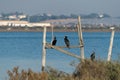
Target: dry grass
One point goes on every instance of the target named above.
(88, 70)
(97, 70)
(26, 75)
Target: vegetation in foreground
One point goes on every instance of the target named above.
(87, 70)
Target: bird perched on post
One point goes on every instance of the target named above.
(92, 56)
(67, 42)
(54, 41)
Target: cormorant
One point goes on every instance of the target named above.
(92, 56)
(67, 42)
(54, 41)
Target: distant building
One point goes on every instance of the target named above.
(49, 15)
(12, 17)
(22, 16)
(101, 16)
(15, 23)
(39, 24)
(16, 17)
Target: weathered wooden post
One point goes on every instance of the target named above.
(80, 38)
(44, 50)
(111, 43)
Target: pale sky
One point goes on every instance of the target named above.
(57, 7)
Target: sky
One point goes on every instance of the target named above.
(58, 7)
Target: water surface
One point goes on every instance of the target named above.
(24, 49)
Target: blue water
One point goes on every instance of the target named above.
(24, 49)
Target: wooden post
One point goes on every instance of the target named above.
(80, 38)
(44, 50)
(52, 33)
(63, 51)
(111, 43)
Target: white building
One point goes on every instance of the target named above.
(39, 24)
(15, 23)
(12, 17)
(22, 16)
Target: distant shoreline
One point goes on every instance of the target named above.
(39, 29)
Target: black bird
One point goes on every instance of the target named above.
(54, 41)
(92, 56)
(67, 42)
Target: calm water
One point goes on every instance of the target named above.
(24, 49)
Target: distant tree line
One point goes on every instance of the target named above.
(37, 18)
(44, 16)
